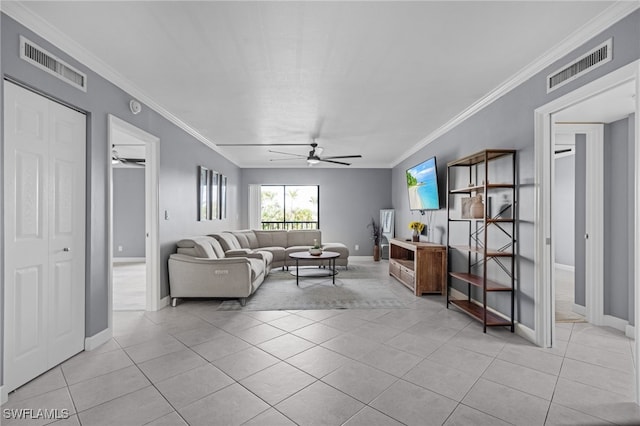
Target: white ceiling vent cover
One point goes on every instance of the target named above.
(42, 59)
(585, 63)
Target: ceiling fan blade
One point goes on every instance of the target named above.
(288, 153)
(282, 159)
(262, 144)
(343, 156)
(336, 162)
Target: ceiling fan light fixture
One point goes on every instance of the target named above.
(313, 160)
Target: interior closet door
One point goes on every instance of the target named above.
(45, 208)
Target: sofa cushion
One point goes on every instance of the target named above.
(227, 240)
(271, 238)
(246, 238)
(242, 239)
(338, 248)
(303, 237)
(198, 247)
(277, 254)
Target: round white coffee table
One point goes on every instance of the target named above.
(330, 255)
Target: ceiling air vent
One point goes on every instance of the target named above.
(587, 62)
(39, 57)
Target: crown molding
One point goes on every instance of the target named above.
(604, 20)
(44, 29)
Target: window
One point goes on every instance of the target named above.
(289, 207)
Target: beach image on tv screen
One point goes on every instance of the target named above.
(422, 183)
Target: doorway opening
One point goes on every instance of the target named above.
(572, 109)
(133, 217)
(128, 194)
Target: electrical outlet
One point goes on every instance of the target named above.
(119, 248)
(357, 247)
(166, 215)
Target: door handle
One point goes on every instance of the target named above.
(67, 249)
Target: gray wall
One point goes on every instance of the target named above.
(509, 123)
(180, 154)
(563, 210)
(128, 212)
(580, 296)
(349, 198)
(617, 235)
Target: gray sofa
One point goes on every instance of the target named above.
(233, 264)
(201, 268)
(279, 244)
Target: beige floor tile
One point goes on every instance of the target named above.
(414, 405)
(445, 380)
(467, 416)
(259, 334)
(86, 365)
(286, 346)
(165, 366)
(220, 347)
(563, 416)
(522, 378)
(461, 359)
(271, 417)
(370, 417)
(291, 322)
(507, 404)
(351, 346)
(318, 361)
(600, 377)
(190, 386)
(154, 348)
(319, 404)
(46, 382)
(278, 382)
(390, 360)
(171, 419)
(245, 363)
(317, 333)
(359, 380)
(109, 386)
(137, 408)
(233, 405)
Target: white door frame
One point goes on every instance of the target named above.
(152, 246)
(543, 145)
(594, 220)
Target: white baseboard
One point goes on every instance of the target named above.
(129, 259)
(630, 331)
(4, 395)
(91, 343)
(580, 310)
(165, 301)
(617, 323)
(568, 268)
(526, 333)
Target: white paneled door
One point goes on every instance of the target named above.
(45, 208)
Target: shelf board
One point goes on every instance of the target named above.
(480, 188)
(489, 253)
(492, 220)
(407, 263)
(477, 312)
(477, 281)
(479, 157)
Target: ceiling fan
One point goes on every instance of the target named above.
(116, 158)
(314, 156)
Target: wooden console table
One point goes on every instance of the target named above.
(422, 267)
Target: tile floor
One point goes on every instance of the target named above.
(565, 289)
(425, 365)
(129, 286)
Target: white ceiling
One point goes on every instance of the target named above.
(606, 107)
(374, 78)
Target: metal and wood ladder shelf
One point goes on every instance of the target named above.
(461, 210)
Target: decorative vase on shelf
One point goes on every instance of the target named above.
(316, 250)
(376, 253)
(416, 236)
(477, 207)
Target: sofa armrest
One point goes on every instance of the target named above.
(200, 277)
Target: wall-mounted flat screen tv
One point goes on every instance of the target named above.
(422, 185)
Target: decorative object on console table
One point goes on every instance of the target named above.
(417, 228)
(422, 267)
(376, 235)
(482, 226)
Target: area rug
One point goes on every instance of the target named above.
(361, 286)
